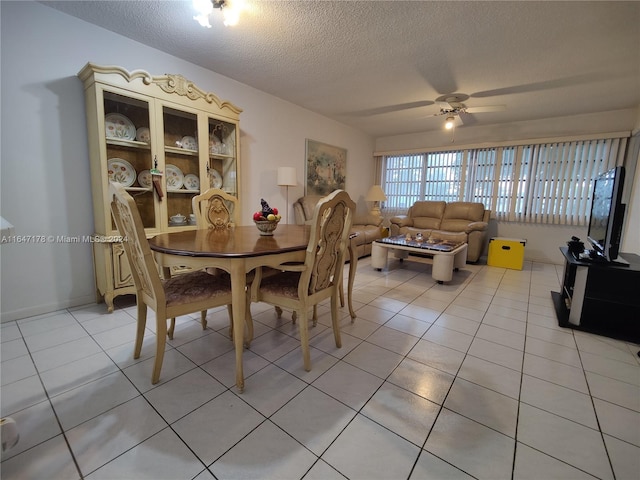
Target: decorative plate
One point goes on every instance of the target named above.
(119, 126)
(191, 182)
(214, 144)
(189, 143)
(143, 135)
(215, 178)
(175, 177)
(121, 171)
(144, 179)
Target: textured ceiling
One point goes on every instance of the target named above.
(380, 65)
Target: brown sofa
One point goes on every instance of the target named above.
(367, 226)
(441, 219)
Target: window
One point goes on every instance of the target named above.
(538, 183)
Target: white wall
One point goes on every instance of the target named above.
(45, 182)
(543, 241)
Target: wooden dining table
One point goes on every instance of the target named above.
(238, 251)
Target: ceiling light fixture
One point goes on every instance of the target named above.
(230, 11)
(450, 122)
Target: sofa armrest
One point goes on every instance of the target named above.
(476, 227)
(402, 221)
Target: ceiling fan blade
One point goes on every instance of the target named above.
(465, 119)
(488, 108)
(391, 108)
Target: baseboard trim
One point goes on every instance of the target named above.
(44, 309)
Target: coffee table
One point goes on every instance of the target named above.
(447, 256)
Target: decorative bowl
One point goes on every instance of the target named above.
(266, 227)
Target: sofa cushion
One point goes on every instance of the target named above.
(468, 211)
(427, 214)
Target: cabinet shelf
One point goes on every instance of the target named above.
(128, 143)
(181, 151)
(138, 189)
(184, 191)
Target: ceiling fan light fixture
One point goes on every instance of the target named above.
(230, 11)
(449, 123)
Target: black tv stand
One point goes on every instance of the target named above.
(600, 297)
(594, 257)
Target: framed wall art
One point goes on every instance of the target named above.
(326, 168)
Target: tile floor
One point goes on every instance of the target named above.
(473, 379)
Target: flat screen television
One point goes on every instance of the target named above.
(607, 215)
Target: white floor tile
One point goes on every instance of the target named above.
(468, 444)
(491, 375)
(21, 394)
(531, 464)
(428, 384)
(373, 359)
(348, 384)
(92, 399)
(614, 391)
(448, 338)
(161, 456)
(430, 467)
(562, 401)
(321, 470)
(625, 457)
(404, 413)
(496, 353)
(103, 438)
(555, 372)
(565, 440)
(607, 367)
(423, 380)
(485, 406)
(437, 356)
(50, 459)
(35, 425)
(314, 419)
(215, 427)
(392, 339)
(270, 389)
(267, 452)
(409, 325)
(618, 422)
(181, 395)
(367, 450)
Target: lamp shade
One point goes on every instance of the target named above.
(375, 194)
(287, 176)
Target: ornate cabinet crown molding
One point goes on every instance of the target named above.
(169, 83)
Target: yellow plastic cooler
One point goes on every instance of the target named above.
(506, 252)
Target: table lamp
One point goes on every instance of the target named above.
(375, 195)
(287, 178)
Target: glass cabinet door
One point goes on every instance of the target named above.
(222, 166)
(128, 147)
(181, 164)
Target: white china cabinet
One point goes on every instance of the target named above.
(166, 141)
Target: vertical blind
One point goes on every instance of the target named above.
(538, 183)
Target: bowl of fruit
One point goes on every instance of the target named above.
(266, 219)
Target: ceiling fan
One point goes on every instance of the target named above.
(451, 105)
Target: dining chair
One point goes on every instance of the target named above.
(180, 295)
(302, 286)
(215, 208)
